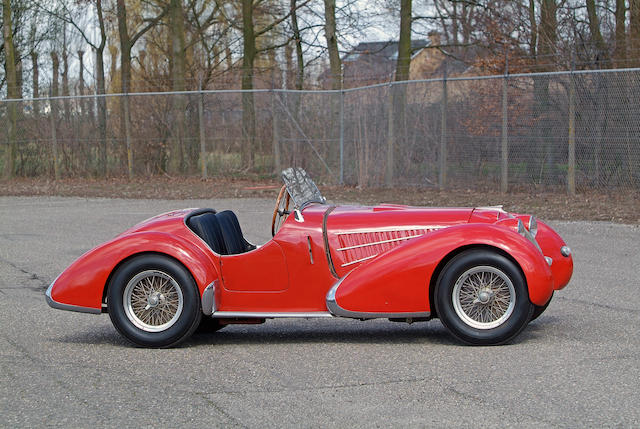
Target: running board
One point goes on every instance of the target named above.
(269, 315)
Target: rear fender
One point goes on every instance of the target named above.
(84, 282)
(398, 281)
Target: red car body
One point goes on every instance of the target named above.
(344, 261)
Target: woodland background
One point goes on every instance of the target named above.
(76, 70)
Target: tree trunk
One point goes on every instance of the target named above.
(634, 32)
(65, 74)
(125, 81)
(125, 47)
(454, 21)
(12, 89)
(102, 107)
(35, 82)
(398, 93)
(248, 107)
(602, 57)
(82, 101)
(404, 43)
(298, 42)
(55, 64)
(533, 39)
(178, 155)
(546, 60)
(548, 35)
(100, 88)
(332, 43)
(620, 53)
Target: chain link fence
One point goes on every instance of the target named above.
(562, 131)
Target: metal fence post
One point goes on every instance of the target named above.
(504, 182)
(342, 136)
(571, 170)
(54, 138)
(442, 176)
(277, 167)
(388, 180)
(127, 135)
(203, 153)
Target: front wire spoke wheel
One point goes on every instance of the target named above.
(153, 301)
(483, 297)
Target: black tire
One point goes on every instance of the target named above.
(467, 317)
(172, 311)
(539, 309)
(209, 325)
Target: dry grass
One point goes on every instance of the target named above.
(615, 206)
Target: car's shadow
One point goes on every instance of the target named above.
(276, 333)
(389, 333)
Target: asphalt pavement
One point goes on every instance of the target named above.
(578, 365)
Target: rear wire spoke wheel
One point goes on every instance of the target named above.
(481, 297)
(153, 301)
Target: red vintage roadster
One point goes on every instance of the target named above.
(483, 272)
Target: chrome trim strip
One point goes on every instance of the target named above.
(373, 243)
(338, 311)
(526, 234)
(359, 260)
(209, 299)
(390, 229)
(269, 315)
(325, 239)
(499, 207)
(533, 226)
(68, 307)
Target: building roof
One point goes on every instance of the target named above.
(381, 51)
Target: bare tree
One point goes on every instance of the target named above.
(127, 41)
(12, 88)
(404, 42)
(71, 15)
(177, 156)
(249, 53)
(620, 53)
(210, 33)
(602, 54)
(533, 38)
(335, 64)
(297, 39)
(398, 96)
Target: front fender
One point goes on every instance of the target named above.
(398, 281)
(80, 287)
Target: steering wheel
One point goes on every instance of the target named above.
(281, 211)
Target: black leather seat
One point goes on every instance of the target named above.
(234, 241)
(207, 227)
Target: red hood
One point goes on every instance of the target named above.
(384, 216)
(357, 234)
